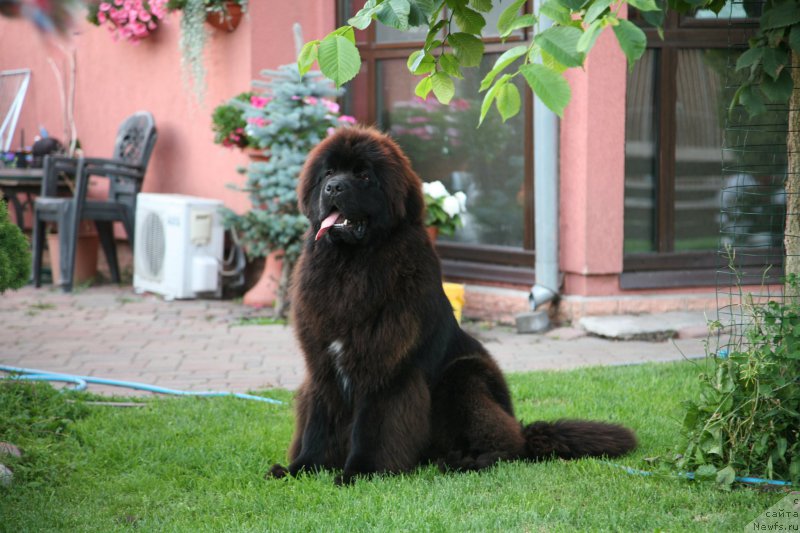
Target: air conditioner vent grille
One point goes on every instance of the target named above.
(153, 246)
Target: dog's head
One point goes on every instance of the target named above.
(358, 186)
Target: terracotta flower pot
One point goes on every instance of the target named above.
(85, 258)
(264, 292)
(226, 20)
(433, 232)
(256, 154)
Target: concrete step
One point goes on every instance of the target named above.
(652, 327)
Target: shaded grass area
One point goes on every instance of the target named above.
(197, 464)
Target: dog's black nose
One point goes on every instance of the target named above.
(336, 185)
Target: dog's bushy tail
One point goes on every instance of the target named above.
(571, 439)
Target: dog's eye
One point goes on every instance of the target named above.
(329, 173)
(363, 175)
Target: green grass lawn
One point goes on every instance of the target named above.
(196, 464)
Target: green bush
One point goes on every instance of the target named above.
(228, 123)
(15, 255)
(746, 421)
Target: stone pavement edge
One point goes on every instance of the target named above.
(113, 333)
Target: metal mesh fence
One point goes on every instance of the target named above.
(754, 201)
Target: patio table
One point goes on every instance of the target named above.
(27, 181)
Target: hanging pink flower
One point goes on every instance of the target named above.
(348, 119)
(258, 121)
(259, 101)
(331, 106)
(131, 20)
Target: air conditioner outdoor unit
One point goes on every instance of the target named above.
(178, 246)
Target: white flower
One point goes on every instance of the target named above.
(451, 206)
(462, 200)
(434, 189)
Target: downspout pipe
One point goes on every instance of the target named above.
(545, 194)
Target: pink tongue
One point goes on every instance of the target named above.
(326, 224)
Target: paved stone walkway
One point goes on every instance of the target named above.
(111, 332)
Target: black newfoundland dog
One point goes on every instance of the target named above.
(393, 381)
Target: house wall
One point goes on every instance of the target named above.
(115, 79)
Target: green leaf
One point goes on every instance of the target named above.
(338, 59)
(773, 61)
(551, 62)
(426, 6)
(308, 54)
(346, 32)
(726, 476)
(469, 20)
(508, 16)
(394, 13)
(363, 18)
(561, 42)
(481, 5)
(779, 90)
(421, 62)
(415, 59)
(706, 472)
(467, 47)
(794, 39)
(550, 86)
(587, 40)
(595, 10)
(644, 5)
(420, 12)
(523, 21)
(508, 57)
(450, 65)
(574, 5)
(424, 87)
(432, 34)
(443, 87)
(752, 100)
(553, 10)
(656, 18)
(780, 16)
(631, 39)
(491, 95)
(508, 101)
(360, 21)
(749, 58)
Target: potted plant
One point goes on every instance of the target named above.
(228, 123)
(442, 210)
(132, 20)
(287, 117)
(195, 13)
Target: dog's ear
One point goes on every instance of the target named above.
(309, 177)
(415, 202)
(406, 186)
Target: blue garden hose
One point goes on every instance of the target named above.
(82, 381)
(690, 475)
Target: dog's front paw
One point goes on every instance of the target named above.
(345, 479)
(276, 472)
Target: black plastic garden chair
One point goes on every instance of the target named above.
(125, 171)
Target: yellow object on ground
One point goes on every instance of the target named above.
(455, 293)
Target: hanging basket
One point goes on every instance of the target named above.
(227, 19)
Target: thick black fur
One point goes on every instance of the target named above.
(393, 381)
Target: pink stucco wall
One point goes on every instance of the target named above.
(115, 79)
(592, 165)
